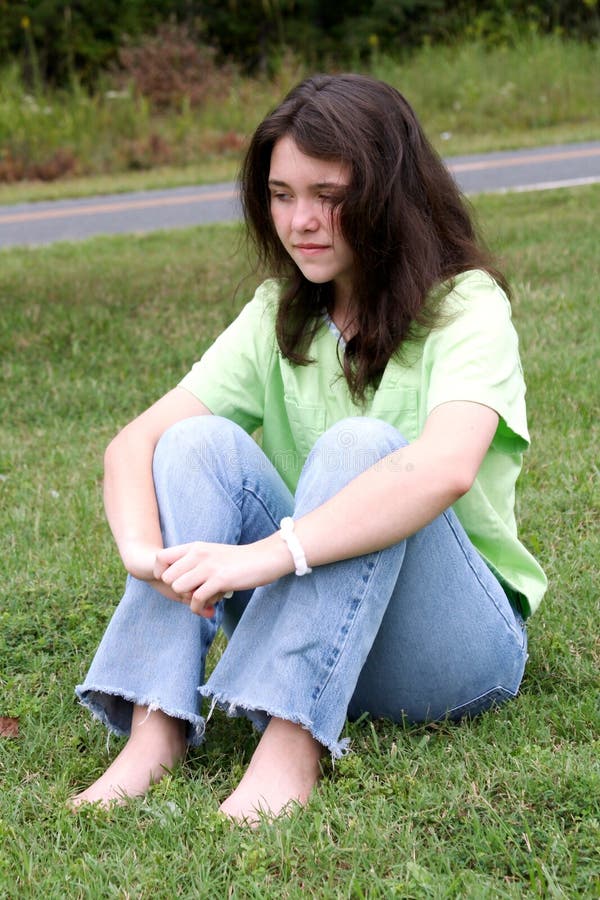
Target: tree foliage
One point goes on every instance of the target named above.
(55, 41)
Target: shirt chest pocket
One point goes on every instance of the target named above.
(398, 406)
(307, 423)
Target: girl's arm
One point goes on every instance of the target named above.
(388, 502)
(404, 491)
(129, 496)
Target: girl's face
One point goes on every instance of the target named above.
(302, 190)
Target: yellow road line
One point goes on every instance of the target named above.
(509, 161)
(113, 206)
(155, 202)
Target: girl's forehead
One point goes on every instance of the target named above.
(288, 161)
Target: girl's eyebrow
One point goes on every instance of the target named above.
(274, 182)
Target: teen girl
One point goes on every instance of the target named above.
(366, 558)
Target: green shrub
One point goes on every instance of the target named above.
(170, 69)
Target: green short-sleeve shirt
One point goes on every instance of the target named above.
(471, 355)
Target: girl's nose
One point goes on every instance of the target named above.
(305, 216)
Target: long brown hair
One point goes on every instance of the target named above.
(401, 214)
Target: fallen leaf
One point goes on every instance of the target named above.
(9, 727)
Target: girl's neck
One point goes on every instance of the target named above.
(343, 319)
(342, 312)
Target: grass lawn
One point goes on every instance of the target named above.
(505, 806)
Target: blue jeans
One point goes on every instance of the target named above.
(419, 631)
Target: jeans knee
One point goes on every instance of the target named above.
(365, 438)
(344, 451)
(194, 441)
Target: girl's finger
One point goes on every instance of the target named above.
(159, 569)
(186, 565)
(206, 610)
(169, 555)
(205, 598)
(188, 581)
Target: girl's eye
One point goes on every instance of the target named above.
(280, 195)
(332, 198)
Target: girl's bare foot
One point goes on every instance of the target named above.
(156, 743)
(282, 772)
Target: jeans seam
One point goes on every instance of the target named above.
(498, 689)
(259, 499)
(344, 633)
(512, 626)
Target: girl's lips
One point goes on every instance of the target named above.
(311, 248)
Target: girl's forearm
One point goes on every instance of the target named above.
(404, 491)
(390, 501)
(130, 504)
(129, 494)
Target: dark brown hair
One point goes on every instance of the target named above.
(402, 215)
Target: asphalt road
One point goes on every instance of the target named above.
(43, 223)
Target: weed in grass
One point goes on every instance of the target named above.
(505, 806)
(171, 69)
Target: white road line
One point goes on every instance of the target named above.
(539, 186)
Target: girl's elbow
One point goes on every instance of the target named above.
(112, 449)
(463, 479)
(109, 454)
(115, 449)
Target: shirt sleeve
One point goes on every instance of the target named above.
(230, 377)
(473, 355)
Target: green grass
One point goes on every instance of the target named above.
(507, 806)
(470, 98)
(161, 177)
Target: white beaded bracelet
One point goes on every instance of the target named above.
(294, 546)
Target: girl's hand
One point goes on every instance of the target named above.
(201, 573)
(139, 558)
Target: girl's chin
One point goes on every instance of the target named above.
(315, 277)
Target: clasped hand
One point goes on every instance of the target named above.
(201, 573)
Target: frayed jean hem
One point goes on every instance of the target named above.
(259, 715)
(95, 700)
